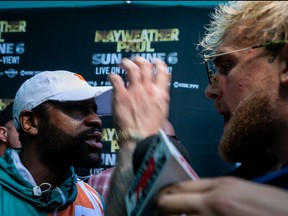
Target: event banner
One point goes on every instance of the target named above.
(92, 41)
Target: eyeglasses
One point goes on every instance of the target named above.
(211, 67)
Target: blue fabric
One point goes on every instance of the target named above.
(277, 178)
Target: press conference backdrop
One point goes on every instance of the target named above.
(92, 41)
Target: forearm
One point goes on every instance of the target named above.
(139, 110)
(121, 180)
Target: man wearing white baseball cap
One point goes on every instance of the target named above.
(57, 117)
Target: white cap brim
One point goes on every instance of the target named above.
(102, 94)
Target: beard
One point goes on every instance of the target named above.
(57, 148)
(253, 133)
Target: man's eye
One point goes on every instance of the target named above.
(87, 109)
(84, 109)
(224, 68)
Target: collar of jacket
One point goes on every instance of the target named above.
(59, 197)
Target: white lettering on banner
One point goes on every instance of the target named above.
(115, 70)
(95, 171)
(105, 83)
(10, 59)
(102, 70)
(106, 58)
(6, 48)
(11, 48)
(115, 58)
(107, 70)
(150, 56)
(185, 85)
(170, 59)
(92, 82)
(108, 159)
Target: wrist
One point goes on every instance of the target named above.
(130, 135)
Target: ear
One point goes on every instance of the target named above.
(29, 122)
(284, 66)
(3, 134)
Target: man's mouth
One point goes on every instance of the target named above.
(94, 144)
(94, 140)
(227, 117)
(223, 110)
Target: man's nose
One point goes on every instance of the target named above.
(93, 120)
(213, 91)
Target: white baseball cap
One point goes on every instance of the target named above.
(61, 86)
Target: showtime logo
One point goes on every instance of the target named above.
(185, 85)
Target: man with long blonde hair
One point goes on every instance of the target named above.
(246, 57)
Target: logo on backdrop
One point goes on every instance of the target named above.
(185, 85)
(10, 52)
(11, 73)
(130, 43)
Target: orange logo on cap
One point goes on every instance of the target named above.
(80, 77)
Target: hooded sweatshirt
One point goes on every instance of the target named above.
(19, 194)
